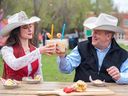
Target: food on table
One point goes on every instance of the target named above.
(68, 89)
(2, 80)
(97, 81)
(79, 86)
(30, 80)
(37, 77)
(58, 35)
(26, 78)
(9, 82)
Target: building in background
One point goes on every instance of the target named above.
(123, 23)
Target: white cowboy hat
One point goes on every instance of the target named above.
(103, 22)
(17, 20)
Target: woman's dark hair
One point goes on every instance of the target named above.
(14, 38)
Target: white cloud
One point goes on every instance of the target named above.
(121, 5)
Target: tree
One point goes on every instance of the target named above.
(36, 4)
(102, 6)
(57, 11)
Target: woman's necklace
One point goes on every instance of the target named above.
(27, 51)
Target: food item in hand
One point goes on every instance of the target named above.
(58, 35)
(80, 86)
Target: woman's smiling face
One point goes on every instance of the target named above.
(27, 31)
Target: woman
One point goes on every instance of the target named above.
(21, 58)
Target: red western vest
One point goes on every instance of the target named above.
(17, 75)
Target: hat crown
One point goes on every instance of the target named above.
(105, 19)
(16, 20)
(103, 22)
(18, 17)
(89, 20)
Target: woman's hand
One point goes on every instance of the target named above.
(48, 49)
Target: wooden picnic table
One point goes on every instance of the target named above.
(56, 89)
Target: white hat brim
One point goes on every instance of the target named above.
(91, 25)
(9, 27)
(110, 28)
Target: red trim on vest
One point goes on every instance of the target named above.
(19, 74)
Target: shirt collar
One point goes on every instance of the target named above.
(106, 49)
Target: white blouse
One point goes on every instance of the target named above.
(19, 63)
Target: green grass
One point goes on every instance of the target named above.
(124, 46)
(51, 71)
(1, 66)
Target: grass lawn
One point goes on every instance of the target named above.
(50, 69)
(1, 66)
(124, 46)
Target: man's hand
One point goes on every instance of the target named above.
(59, 53)
(114, 72)
(61, 49)
(48, 49)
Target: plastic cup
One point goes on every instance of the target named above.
(52, 44)
(61, 46)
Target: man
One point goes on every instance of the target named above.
(100, 56)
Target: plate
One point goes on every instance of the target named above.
(9, 83)
(10, 86)
(30, 80)
(98, 84)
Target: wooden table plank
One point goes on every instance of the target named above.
(55, 88)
